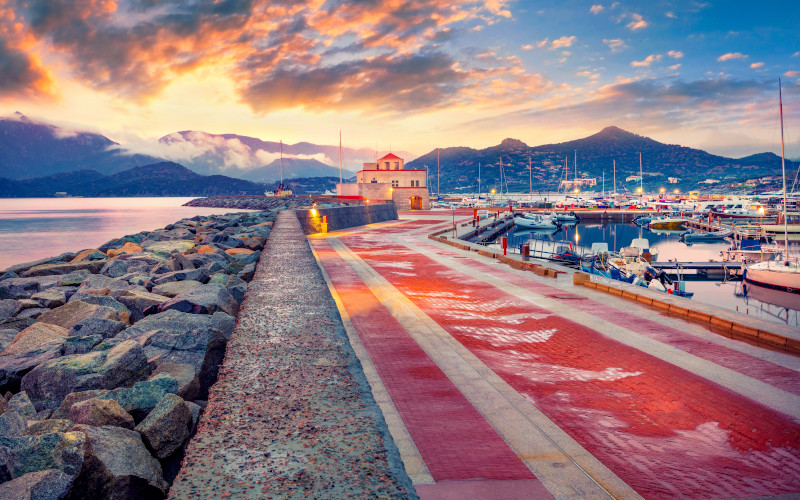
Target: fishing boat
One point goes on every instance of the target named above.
(640, 247)
(783, 274)
(627, 267)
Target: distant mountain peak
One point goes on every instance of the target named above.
(512, 143)
(613, 131)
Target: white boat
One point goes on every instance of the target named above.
(778, 274)
(783, 274)
(640, 247)
(703, 236)
(535, 222)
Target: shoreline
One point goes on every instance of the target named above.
(107, 355)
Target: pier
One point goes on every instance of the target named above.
(494, 377)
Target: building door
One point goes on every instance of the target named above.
(416, 203)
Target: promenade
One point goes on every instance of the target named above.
(499, 383)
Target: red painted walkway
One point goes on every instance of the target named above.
(663, 430)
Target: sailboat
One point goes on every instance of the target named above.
(282, 190)
(782, 274)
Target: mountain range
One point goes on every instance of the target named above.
(158, 179)
(596, 156)
(30, 149)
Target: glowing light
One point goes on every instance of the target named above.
(314, 212)
(677, 191)
(638, 190)
(760, 210)
(661, 190)
(576, 191)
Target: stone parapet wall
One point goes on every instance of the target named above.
(344, 217)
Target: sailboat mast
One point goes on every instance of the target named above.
(340, 157)
(437, 172)
(530, 179)
(576, 167)
(783, 168)
(281, 162)
(641, 179)
(604, 183)
(615, 177)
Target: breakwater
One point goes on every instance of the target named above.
(107, 355)
(292, 415)
(252, 202)
(344, 217)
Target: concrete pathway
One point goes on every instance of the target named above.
(497, 383)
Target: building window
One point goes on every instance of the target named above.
(397, 165)
(387, 165)
(395, 183)
(374, 180)
(414, 183)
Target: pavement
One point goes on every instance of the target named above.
(500, 383)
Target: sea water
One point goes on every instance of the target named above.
(36, 228)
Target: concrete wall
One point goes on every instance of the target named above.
(345, 217)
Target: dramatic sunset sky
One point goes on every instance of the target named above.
(413, 75)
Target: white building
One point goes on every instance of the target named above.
(387, 179)
(673, 180)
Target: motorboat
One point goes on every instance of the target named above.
(536, 221)
(670, 223)
(629, 268)
(691, 236)
(566, 217)
(639, 247)
(750, 250)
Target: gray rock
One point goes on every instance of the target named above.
(50, 382)
(14, 367)
(33, 312)
(208, 299)
(116, 268)
(137, 302)
(81, 345)
(117, 465)
(167, 427)
(48, 426)
(184, 374)
(99, 282)
(6, 337)
(19, 268)
(23, 288)
(75, 278)
(168, 247)
(174, 288)
(176, 337)
(17, 324)
(203, 259)
(200, 275)
(140, 279)
(56, 450)
(63, 410)
(50, 484)
(182, 261)
(21, 404)
(98, 412)
(3, 405)
(98, 326)
(73, 312)
(50, 298)
(247, 272)
(140, 399)
(9, 308)
(60, 268)
(11, 424)
(102, 300)
(196, 410)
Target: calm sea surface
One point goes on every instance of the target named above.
(35, 228)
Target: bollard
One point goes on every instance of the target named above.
(526, 252)
(504, 243)
(324, 228)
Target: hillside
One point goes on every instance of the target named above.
(29, 149)
(595, 154)
(159, 179)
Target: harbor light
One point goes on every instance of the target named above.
(639, 190)
(677, 191)
(576, 191)
(661, 190)
(761, 211)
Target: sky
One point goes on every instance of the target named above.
(408, 75)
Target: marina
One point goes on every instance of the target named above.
(706, 268)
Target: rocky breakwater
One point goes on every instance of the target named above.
(107, 355)
(254, 202)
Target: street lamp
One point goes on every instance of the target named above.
(661, 190)
(677, 191)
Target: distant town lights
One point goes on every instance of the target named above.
(576, 191)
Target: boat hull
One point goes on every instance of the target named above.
(770, 275)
